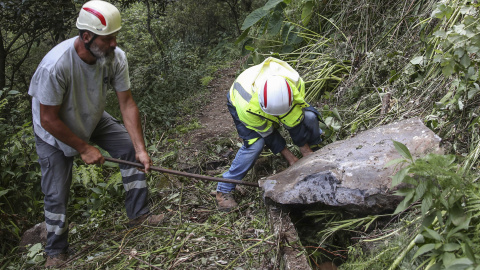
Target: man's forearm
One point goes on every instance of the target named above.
(131, 119)
(54, 125)
(289, 156)
(63, 133)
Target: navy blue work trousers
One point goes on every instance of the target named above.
(57, 177)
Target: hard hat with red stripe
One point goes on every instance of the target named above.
(276, 97)
(99, 17)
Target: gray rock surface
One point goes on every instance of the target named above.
(351, 173)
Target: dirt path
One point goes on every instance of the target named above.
(214, 116)
(209, 147)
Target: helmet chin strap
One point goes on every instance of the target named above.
(87, 45)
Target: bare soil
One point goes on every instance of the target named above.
(214, 117)
(209, 147)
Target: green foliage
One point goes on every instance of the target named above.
(162, 78)
(278, 31)
(24, 24)
(20, 192)
(439, 188)
(275, 34)
(453, 47)
(206, 80)
(95, 189)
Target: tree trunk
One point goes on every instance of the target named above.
(158, 43)
(3, 59)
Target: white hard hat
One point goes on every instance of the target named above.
(276, 97)
(99, 17)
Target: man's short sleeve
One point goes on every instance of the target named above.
(120, 77)
(47, 86)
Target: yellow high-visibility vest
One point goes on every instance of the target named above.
(244, 96)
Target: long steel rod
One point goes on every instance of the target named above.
(191, 175)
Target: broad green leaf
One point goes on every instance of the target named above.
(448, 258)
(468, 251)
(457, 215)
(287, 49)
(459, 52)
(427, 203)
(460, 261)
(271, 4)
(404, 204)
(446, 97)
(3, 192)
(337, 114)
(440, 33)
(13, 92)
(242, 36)
(459, 29)
(419, 60)
(394, 162)
(423, 249)
(34, 250)
(451, 247)
(436, 266)
(307, 12)
(419, 239)
(410, 180)
(257, 58)
(448, 69)
(399, 176)
(472, 93)
(433, 234)
(420, 190)
(465, 61)
(96, 190)
(275, 23)
(466, 9)
(402, 150)
(442, 11)
(254, 17)
(472, 49)
(428, 220)
(463, 226)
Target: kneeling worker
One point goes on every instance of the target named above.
(261, 99)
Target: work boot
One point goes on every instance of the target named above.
(147, 219)
(225, 201)
(56, 261)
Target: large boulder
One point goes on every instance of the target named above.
(351, 174)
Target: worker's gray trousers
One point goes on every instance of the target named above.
(57, 178)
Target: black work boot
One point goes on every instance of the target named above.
(225, 201)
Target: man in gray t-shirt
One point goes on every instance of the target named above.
(69, 90)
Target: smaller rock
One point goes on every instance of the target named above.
(36, 234)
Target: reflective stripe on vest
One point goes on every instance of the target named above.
(243, 93)
(247, 97)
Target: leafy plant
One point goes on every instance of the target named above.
(437, 186)
(453, 49)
